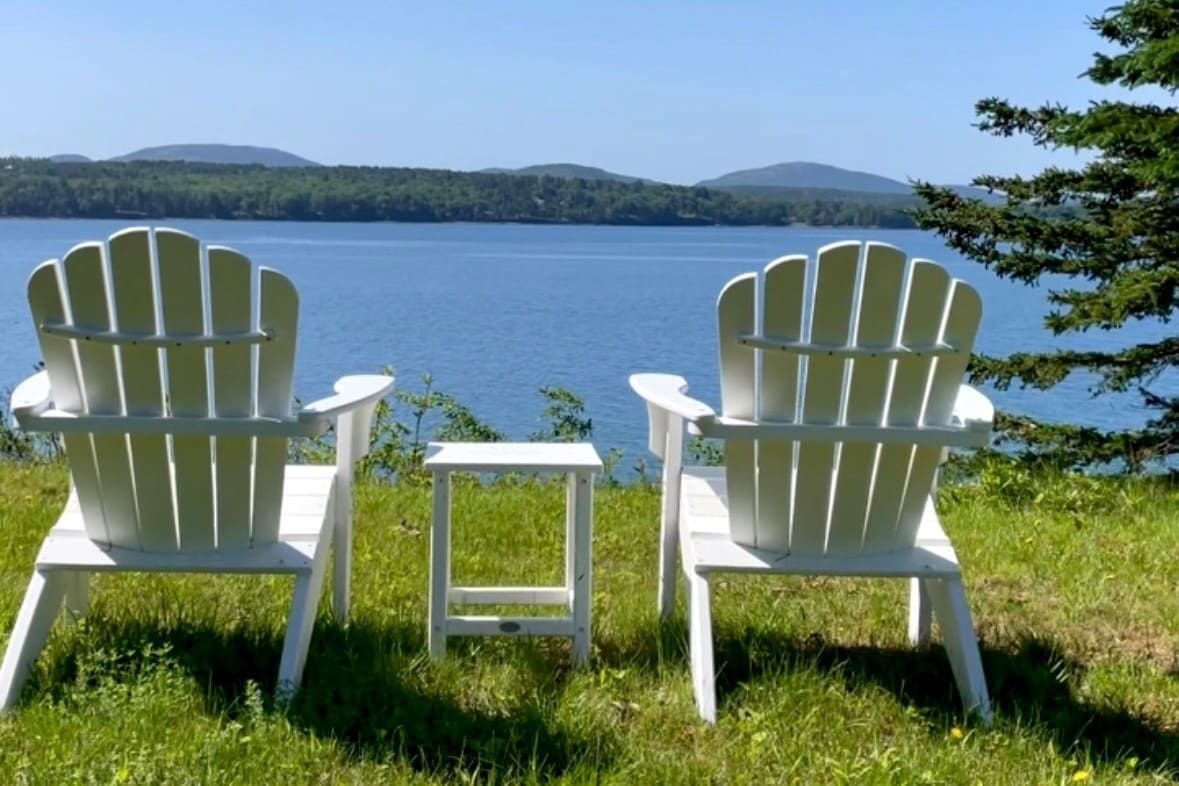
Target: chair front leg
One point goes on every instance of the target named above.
(948, 599)
(669, 515)
(33, 622)
(300, 624)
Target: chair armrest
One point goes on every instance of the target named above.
(667, 392)
(32, 406)
(31, 397)
(973, 410)
(667, 408)
(352, 407)
(352, 392)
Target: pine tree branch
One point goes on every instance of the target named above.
(1115, 371)
(1070, 446)
(1111, 225)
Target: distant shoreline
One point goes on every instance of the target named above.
(152, 191)
(158, 219)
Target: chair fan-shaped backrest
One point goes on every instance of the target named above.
(152, 324)
(863, 337)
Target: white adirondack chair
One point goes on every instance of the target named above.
(168, 373)
(840, 396)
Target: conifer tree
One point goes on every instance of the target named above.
(1110, 227)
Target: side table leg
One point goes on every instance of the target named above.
(582, 543)
(439, 565)
(570, 540)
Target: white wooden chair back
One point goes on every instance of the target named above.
(861, 339)
(150, 326)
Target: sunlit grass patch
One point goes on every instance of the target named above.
(169, 680)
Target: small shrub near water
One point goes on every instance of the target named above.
(404, 424)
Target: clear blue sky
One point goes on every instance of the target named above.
(676, 91)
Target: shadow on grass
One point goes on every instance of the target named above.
(1032, 681)
(372, 689)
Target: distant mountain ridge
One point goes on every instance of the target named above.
(565, 170)
(217, 154)
(807, 174)
(790, 180)
(807, 179)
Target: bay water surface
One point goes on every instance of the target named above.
(495, 311)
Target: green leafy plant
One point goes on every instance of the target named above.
(565, 414)
(1110, 229)
(705, 452)
(405, 423)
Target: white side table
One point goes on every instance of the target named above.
(579, 461)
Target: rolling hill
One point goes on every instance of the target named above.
(809, 180)
(566, 170)
(217, 154)
(807, 174)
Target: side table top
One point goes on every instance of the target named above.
(512, 456)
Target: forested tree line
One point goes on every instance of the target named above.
(36, 188)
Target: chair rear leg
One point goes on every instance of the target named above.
(77, 594)
(700, 644)
(33, 622)
(304, 605)
(920, 613)
(949, 604)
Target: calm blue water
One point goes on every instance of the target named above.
(494, 312)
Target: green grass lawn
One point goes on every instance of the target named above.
(1074, 584)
